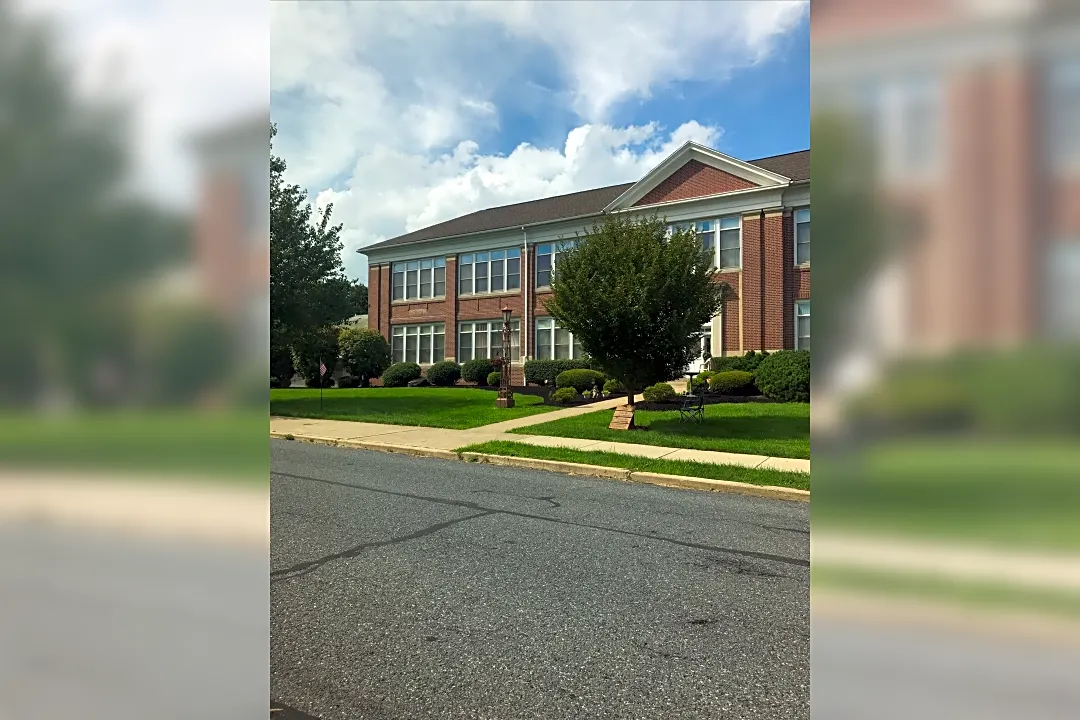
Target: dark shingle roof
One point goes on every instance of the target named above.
(794, 165)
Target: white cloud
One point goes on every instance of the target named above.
(382, 108)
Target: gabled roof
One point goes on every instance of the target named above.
(776, 170)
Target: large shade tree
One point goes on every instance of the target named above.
(636, 298)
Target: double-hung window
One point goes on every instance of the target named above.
(802, 325)
(484, 340)
(547, 258)
(419, 279)
(422, 344)
(802, 236)
(489, 272)
(554, 342)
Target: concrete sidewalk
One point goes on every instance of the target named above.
(404, 436)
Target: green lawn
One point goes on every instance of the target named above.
(734, 473)
(212, 445)
(456, 408)
(774, 429)
(1000, 492)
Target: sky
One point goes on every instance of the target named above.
(406, 114)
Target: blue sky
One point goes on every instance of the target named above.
(406, 114)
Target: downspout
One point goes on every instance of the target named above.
(761, 294)
(525, 282)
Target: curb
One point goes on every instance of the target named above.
(687, 482)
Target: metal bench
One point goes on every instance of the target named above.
(692, 408)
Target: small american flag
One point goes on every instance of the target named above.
(322, 368)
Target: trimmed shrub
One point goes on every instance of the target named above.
(348, 381)
(564, 396)
(544, 372)
(443, 374)
(494, 378)
(732, 382)
(659, 393)
(580, 379)
(477, 370)
(785, 376)
(748, 362)
(365, 353)
(399, 374)
(612, 386)
(701, 379)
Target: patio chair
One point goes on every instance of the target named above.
(692, 408)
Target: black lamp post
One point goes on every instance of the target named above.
(506, 395)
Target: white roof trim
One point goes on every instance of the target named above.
(684, 201)
(707, 156)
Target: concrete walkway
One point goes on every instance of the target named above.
(403, 436)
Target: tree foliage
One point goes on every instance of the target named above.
(312, 347)
(636, 299)
(365, 352)
(308, 287)
(358, 298)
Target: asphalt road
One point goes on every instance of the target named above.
(417, 588)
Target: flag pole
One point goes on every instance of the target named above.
(321, 370)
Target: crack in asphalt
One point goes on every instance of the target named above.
(544, 498)
(481, 510)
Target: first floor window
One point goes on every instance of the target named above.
(423, 344)
(484, 340)
(802, 236)
(706, 341)
(802, 325)
(419, 279)
(555, 342)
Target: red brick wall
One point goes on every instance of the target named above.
(694, 179)
(731, 321)
(767, 281)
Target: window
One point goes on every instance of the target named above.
(802, 236)
(423, 344)
(554, 342)
(706, 341)
(1063, 112)
(484, 340)
(419, 279)
(495, 271)
(802, 325)
(547, 257)
(730, 240)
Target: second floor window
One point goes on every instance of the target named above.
(489, 272)
(730, 239)
(418, 279)
(547, 257)
(802, 236)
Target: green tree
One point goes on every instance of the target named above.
(636, 299)
(308, 287)
(365, 352)
(358, 298)
(312, 348)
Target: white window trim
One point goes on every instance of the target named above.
(405, 287)
(404, 342)
(716, 238)
(496, 333)
(795, 322)
(554, 326)
(505, 274)
(795, 236)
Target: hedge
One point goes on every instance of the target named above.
(732, 382)
(580, 379)
(477, 370)
(564, 396)
(444, 373)
(748, 362)
(545, 372)
(785, 376)
(613, 386)
(659, 393)
(399, 374)
(348, 381)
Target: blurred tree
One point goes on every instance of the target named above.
(308, 287)
(73, 235)
(358, 295)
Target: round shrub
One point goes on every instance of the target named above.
(477, 370)
(613, 386)
(564, 396)
(581, 379)
(494, 378)
(732, 382)
(365, 353)
(348, 381)
(785, 376)
(399, 374)
(659, 393)
(443, 374)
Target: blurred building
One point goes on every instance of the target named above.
(973, 110)
(232, 236)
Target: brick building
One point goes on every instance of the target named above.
(438, 292)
